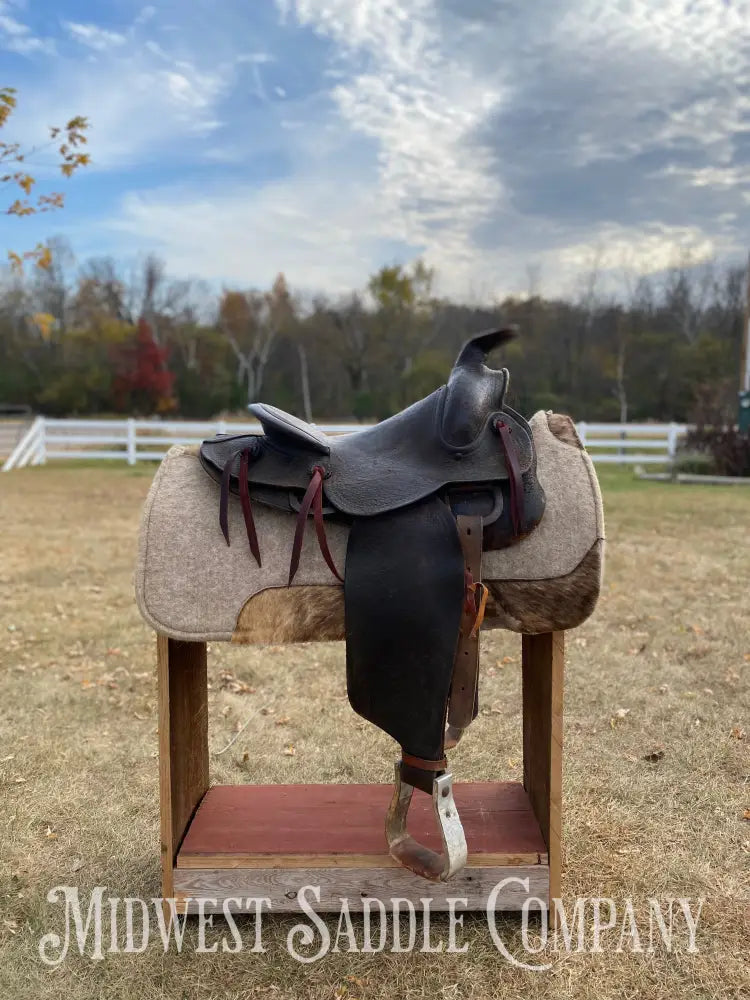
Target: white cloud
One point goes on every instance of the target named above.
(245, 234)
(141, 101)
(436, 182)
(10, 26)
(254, 57)
(630, 117)
(145, 15)
(99, 39)
(647, 249)
(15, 36)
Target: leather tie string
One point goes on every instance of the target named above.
(471, 604)
(313, 498)
(514, 475)
(247, 511)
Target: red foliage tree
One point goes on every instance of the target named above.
(143, 382)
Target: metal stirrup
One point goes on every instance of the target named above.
(415, 856)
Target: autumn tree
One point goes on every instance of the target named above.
(251, 322)
(143, 383)
(403, 324)
(67, 141)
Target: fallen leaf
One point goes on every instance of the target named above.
(245, 757)
(290, 751)
(508, 659)
(282, 721)
(654, 755)
(50, 834)
(737, 733)
(77, 865)
(622, 712)
(228, 682)
(746, 814)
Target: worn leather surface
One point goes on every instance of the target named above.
(447, 439)
(403, 598)
(392, 464)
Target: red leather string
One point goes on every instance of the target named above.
(320, 531)
(514, 475)
(224, 500)
(247, 512)
(313, 498)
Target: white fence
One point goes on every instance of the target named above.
(632, 444)
(148, 440)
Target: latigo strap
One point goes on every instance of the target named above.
(463, 705)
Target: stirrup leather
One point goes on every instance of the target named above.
(409, 852)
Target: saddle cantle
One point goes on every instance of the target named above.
(424, 493)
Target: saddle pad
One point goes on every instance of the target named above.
(189, 585)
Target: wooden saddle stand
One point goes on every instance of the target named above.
(526, 490)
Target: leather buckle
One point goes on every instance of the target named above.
(409, 852)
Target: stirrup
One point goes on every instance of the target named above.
(415, 856)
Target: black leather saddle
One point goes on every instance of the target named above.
(424, 493)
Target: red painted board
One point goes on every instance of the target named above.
(350, 819)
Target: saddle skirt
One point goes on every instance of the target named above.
(424, 493)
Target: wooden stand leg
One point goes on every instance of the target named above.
(183, 743)
(543, 667)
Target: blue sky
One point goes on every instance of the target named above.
(504, 141)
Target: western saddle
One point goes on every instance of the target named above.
(424, 493)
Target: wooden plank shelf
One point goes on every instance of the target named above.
(268, 841)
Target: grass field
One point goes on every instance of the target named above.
(661, 669)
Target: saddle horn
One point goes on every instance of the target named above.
(474, 392)
(474, 352)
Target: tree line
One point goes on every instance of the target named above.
(109, 338)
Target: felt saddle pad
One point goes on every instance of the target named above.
(190, 585)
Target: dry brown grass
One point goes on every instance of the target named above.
(669, 643)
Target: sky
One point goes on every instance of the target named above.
(514, 145)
